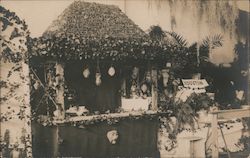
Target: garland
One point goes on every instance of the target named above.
(116, 49)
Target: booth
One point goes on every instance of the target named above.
(102, 86)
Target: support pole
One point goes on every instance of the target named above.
(154, 90)
(215, 151)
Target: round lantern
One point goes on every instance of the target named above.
(111, 71)
(144, 88)
(168, 64)
(112, 136)
(86, 73)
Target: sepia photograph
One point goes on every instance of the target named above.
(124, 79)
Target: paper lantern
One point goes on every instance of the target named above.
(86, 73)
(148, 77)
(98, 80)
(112, 136)
(135, 72)
(133, 90)
(144, 88)
(111, 71)
(36, 85)
(168, 65)
(56, 113)
(165, 76)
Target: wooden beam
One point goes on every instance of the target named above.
(215, 151)
(231, 114)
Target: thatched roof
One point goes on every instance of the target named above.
(95, 31)
(92, 20)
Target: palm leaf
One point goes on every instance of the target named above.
(212, 41)
(178, 39)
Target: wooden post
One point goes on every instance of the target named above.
(60, 89)
(27, 125)
(154, 90)
(215, 151)
(248, 90)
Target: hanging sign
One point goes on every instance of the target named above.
(194, 83)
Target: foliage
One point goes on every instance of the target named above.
(13, 36)
(178, 39)
(185, 113)
(92, 20)
(156, 33)
(245, 141)
(116, 49)
(107, 118)
(5, 144)
(212, 41)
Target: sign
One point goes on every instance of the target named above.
(194, 83)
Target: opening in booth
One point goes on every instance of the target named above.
(92, 87)
(106, 87)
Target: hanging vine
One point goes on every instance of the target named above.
(14, 78)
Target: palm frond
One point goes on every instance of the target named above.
(178, 39)
(212, 41)
(193, 47)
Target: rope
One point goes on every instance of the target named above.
(44, 88)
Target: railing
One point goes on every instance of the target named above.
(224, 114)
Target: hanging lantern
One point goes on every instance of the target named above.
(159, 75)
(112, 136)
(36, 85)
(165, 76)
(168, 65)
(111, 71)
(133, 90)
(86, 73)
(98, 80)
(148, 77)
(144, 88)
(135, 72)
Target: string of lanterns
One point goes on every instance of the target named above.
(138, 88)
(98, 81)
